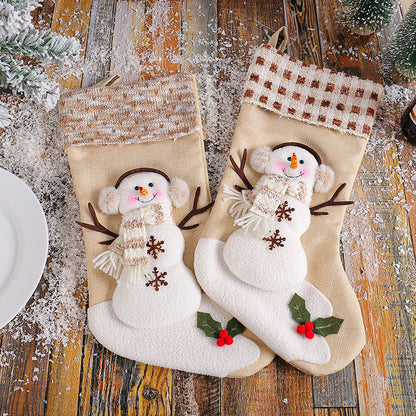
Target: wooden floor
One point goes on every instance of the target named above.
(84, 378)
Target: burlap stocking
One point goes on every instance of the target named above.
(137, 161)
(270, 252)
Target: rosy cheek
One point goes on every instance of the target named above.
(280, 166)
(132, 199)
(158, 193)
(305, 172)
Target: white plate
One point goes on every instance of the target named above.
(23, 245)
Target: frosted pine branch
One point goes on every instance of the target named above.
(27, 5)
(31, 82)
(43, 45)
(4, 116)
(13, 20)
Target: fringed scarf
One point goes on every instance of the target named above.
(256, 207)
(127, 255)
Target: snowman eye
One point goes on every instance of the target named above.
(289, 159)
(137, 188)
(301, 162)
(151, 184)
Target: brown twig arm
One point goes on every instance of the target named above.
(331, 202)
(239, 170)
(194, 211)
(97, 226)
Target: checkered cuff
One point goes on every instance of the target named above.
(309, 93)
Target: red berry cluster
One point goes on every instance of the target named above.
(224, 338)
(306, 329)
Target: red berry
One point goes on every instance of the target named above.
(223, 333)
(309, 325)
(220, 342)
(309, 334)
(229, 340)
(300, 329)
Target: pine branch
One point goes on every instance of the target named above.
(30, 81)
(27, 5)
(194, 211)
(14, 18)
(42, 45)
(330, 203)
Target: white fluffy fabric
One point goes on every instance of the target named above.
(276, 269)
(265, 313)
(141, 306)
(182, 346)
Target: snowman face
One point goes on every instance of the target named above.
(294, 163)
(141, 190)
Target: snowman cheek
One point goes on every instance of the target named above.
(305, 172)
(280, 166)
(158, 194)
(131, 199)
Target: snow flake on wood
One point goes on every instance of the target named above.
(283, 212)
(275, 240)
(158, 281)
(154, 247)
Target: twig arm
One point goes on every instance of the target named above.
(239, 170)
(194, 211)
(97, 226)
(331, 202)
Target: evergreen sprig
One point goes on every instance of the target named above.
(367, 16)
(401, 54)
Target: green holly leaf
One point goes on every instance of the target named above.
(327, 326)
(234, 327)
(210, 326)
(299, 312)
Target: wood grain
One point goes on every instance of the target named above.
(345, 411)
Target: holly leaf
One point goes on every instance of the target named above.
(298, 308)
(210, 326)
(327, 326)
(234, 327)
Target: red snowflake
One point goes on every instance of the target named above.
(154, 247)
(283, 212)
(275, 240)
(158, 280)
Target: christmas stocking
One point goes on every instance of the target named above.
(137, 161)
(270, 252)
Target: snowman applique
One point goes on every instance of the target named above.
(258, 273)
(157, 300)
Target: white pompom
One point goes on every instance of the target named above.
(324, 179)
(109, 200)
(260, 158)
(178, 192)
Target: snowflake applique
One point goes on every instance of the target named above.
(158, 280)
(154, 247)
(283, 212)
(275, 240)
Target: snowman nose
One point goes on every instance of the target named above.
(143, 191)
(294, 161)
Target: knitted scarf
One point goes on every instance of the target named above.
(255, 207)
(127, 255)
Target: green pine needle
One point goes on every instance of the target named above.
(368, 15)
(401, 54)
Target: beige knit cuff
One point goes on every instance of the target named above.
(315, 95)
(154, 110)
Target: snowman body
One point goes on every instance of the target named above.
(168, 293)
(271, 258)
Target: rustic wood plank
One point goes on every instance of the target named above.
(336, 390)
(302, 26)
(345, 411)
(146, 39)
(405, 4)
(195, 394)
(113, 385)
(70, 18)
(98, 50)
(342, 50)
(255, 395)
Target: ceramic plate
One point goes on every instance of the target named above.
(23, 245)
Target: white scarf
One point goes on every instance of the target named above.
(127, 255)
